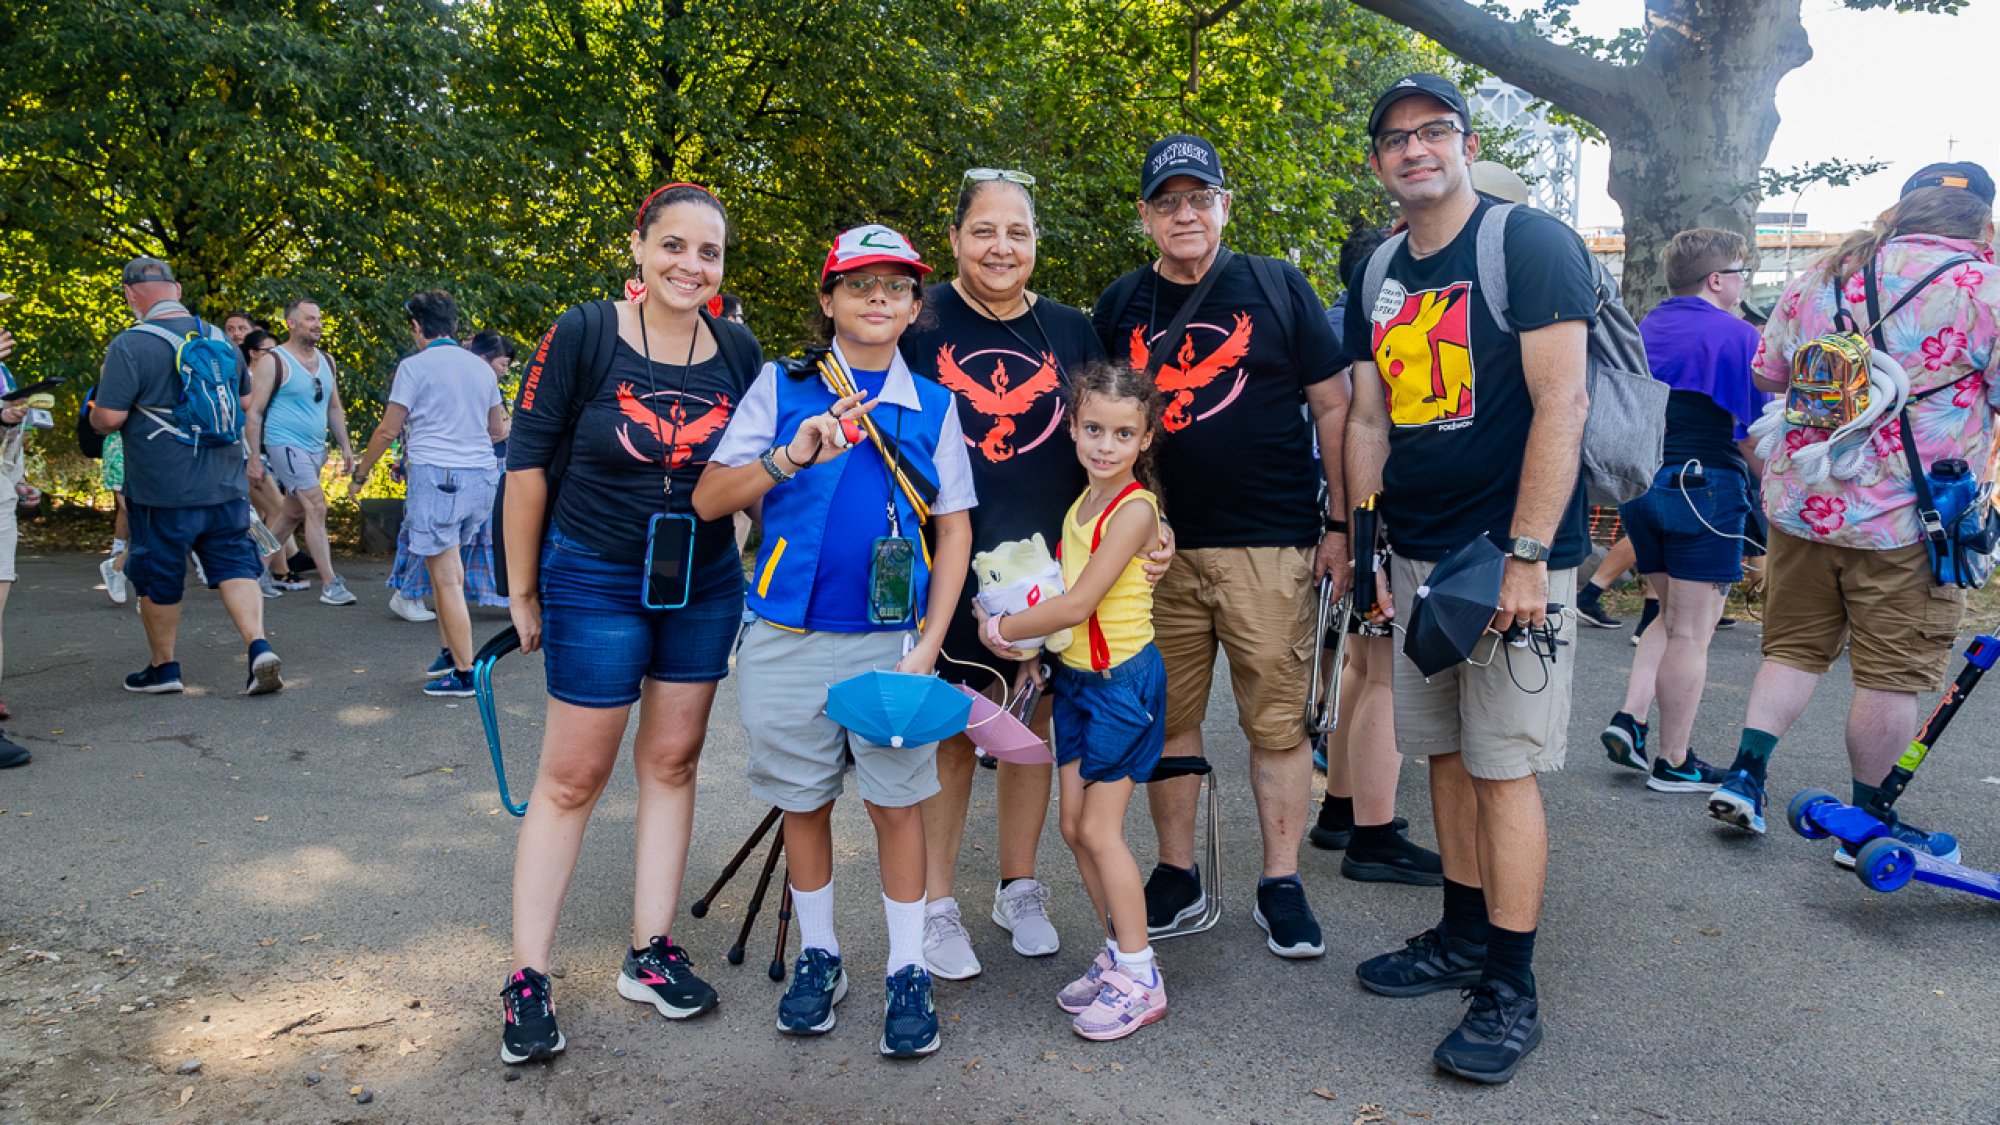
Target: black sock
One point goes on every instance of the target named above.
(1005, 883)
(1646, 614)
(1336, 812)
(1369, 836)
(1590, 593)
(1510, 956)
(1464, 913)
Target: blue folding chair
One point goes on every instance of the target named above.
(504, 642)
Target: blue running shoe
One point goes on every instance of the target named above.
(442, 666)
(909, 1019)
(1501, 1027)
(1739, 801)
(265, 670)
(1692, 776)
(157, 679)
(453, 683)
(1625, 741)
(1942, 845)
(818, 983)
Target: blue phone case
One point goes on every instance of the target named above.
(669, 561)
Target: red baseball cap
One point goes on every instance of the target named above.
(865, 246)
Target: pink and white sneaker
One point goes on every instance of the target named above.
(1122, 1007)
(1078, 994)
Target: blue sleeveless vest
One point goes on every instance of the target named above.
(796, 512)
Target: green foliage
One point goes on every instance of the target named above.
(360, 150)
(1834, 171)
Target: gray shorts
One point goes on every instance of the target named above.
(797, 754)
(294, 468)
(443, 509)
(1503, 729)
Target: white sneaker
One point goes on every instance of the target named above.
(200, 575)
(268, 585)
(409, 609)
(1022, 909)
(947, 947)
(337, 593)
(114, 582)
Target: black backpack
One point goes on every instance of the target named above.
(600, 341)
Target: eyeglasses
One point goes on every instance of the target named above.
(1745, 271)
(1008, 174)
(1430, 133)
(862, 284)
(1168, 203)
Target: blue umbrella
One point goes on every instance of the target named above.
(898, 708)
(504, 642)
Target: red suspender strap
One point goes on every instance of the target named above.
(1100, 648)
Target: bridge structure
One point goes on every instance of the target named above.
(1780, 254)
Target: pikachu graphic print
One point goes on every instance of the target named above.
(1422, 343)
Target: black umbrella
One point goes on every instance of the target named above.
(1454, 607)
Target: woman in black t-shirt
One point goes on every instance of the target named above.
(630, 595)
(1006, 354)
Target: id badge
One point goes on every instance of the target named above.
(891, 581)
(669, 561)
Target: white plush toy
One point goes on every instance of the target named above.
(1015, 576)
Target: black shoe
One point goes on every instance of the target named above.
(531, 1032)
(13, 754)
(662, 975)
(1430, 962)
(1396, 861)
(1499, 1030)
(1722, 623)
(1290, 930)
(301, 563)
(1333, 834)
(1590, 611)
(1173, 896)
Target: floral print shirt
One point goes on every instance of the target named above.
(1948, 334)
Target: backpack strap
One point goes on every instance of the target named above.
(1875, 319)
(1100, 646)
(1177, 328)
(741, 365)
(1490, 258)
(1927, 510)
(1375, 272)
(1119, 296)
(1271, 281)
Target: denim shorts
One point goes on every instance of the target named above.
(1114, 722)
(443, 509)
(599, 642)
(1668, 533)
(218, 534)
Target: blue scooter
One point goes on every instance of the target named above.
(1882, 862)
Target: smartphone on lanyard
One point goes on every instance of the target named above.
(669, 561)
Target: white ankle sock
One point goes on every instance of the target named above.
(1111, 947)
(1138, 966)
(814, 910)
(906, 932)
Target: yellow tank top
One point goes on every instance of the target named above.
(1123, 623)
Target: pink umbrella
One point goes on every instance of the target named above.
(999, 735)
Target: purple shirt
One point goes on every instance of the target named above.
(1693, 346)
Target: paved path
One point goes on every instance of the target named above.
(187, 877)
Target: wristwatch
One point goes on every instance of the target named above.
(1528, 549)
(770, 463)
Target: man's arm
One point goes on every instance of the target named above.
(1554, 360)
(1328, 400)
(393, 417)
(336, 417)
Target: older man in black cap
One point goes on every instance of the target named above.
(1468, 417)
(1234, 342)
(183, 493)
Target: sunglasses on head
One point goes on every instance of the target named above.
(980, 175)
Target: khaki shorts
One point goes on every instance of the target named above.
(1258, 603)
(1903, 623)
(1503, 729)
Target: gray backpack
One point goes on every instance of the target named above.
(1624, 436)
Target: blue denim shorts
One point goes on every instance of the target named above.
(218, 534)
(1115, 722)
(445, 509)
(1668, 533)
(599, 643)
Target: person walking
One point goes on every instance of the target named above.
(13, 470)
(294, 404)
(1687, 531)
(1234, 342)
(620, 410)
(185, 486)
(445, 403)
(1472, 428)
(1848, 564)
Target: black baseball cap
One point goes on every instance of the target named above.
(138, 271)
(1413, 85)
(1179, 154)
(1959, 174)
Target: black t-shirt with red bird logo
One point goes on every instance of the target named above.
(1011, 382)
(640, 427)
(1236, 463)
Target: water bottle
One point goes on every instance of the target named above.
(1953, 489)
(267, 543)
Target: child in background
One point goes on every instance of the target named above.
(1110, 689)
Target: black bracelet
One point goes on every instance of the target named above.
(1329, 524)
(802, 465)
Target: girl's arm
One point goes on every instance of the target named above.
(1133, 530)
(948, 569)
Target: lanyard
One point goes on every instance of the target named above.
(1048, 342)
(680, 401)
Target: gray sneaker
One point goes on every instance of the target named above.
(269, 587)
(337, 593)
(947, 947)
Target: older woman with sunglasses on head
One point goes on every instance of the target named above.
(1006, 354)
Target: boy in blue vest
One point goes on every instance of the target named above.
(852, 575)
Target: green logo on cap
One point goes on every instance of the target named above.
(868, 240)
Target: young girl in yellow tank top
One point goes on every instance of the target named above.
(1110, 689)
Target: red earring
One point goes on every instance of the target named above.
(635, 290)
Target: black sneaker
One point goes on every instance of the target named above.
(157, 679)
(13, 754)
(1290, 930)
(1722, 623)
(1624, 741)
(1397, 861)
(1332, 833)
(1499, 1030)
(1430, 962)
(531, 1032)
(1173, 896)
(662, 975)
(1590, 611)
(1691, 776)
